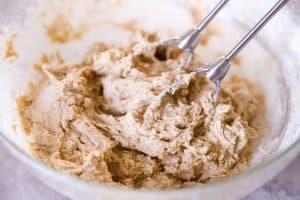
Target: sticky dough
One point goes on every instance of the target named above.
(101, 120)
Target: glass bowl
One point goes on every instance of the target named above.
(272, 60)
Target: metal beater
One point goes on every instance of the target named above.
(216, 71)
(189, 41)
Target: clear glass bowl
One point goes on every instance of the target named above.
(272, 61)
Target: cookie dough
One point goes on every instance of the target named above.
(101, 120)
(10, 53)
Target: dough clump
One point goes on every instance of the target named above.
(102, 120)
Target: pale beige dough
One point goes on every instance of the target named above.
(101, 120)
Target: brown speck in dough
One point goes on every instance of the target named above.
(236, 61)
(52, 58)
(61, 30)
(58, 57)
(10, 53)
(100, 120)
(196, 15)
(14, 128)
(44, 59)
(130, 26)
(31, 85)
(210, 32)
(23, 102)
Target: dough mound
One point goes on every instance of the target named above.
(102, 120)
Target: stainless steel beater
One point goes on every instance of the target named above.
(189, 41)
(216, 71)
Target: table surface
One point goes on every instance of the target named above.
(17, 183)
